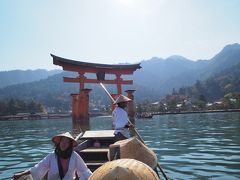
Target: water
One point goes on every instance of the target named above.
(190, 146)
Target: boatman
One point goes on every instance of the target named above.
(120, 119)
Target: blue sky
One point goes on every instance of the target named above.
(113, 31)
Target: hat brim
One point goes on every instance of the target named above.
(56, 139)
(122, 98)
(124, 169)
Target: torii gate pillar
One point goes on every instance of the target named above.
(80, 110)
(131, 109)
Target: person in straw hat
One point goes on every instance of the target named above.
(120, 118)
(63, 163)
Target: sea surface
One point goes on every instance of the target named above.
(189, 146)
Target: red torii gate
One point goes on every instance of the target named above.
(80, 101)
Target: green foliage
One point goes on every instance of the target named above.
(14, 106)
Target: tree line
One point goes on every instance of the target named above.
(13, 106)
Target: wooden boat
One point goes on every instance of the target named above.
(144, 115)
(94, 148)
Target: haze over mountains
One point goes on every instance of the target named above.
(176, 71)
(8, 78)
(156, 78)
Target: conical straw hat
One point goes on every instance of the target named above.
(134, 149)
(56, 139)
(124, 169)
(122, 98)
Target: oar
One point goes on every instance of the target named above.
(78, 136)
(135, 130)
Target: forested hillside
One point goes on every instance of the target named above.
(217, 86)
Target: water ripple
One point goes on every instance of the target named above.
(191, 146)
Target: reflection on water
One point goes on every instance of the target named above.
(190, 146)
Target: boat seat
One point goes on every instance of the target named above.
(94, 154)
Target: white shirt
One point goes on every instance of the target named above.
(49, 164)
(120, 119)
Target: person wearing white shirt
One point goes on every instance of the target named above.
(120, 119)
(62, 164)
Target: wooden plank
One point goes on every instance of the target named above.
(103, 134)
(95, 163)
(97, 150)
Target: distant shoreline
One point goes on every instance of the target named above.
(193, 112)
(28, 116)
(60, 116)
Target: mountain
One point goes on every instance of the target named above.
(156, 78)
(8, 78)
(165, 74)
(216, 86)
(174, 72)
(228, 57)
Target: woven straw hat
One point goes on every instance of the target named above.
(135, 149)
(124, 169)
(56, 139)
(122, 98)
